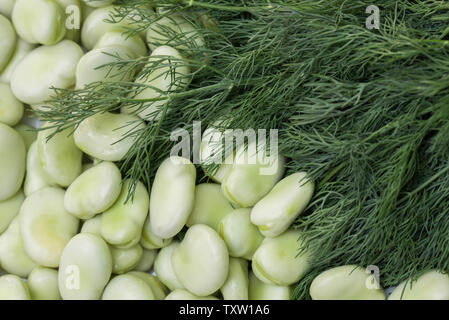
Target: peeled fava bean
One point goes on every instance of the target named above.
(158, 289)
(12, 161)
(250, 179)
(94, 191)
(259, 290)
(124, 260)
(276, 261)
(170, 73)
(11, 109)
(60, 158)
(348, 282)
(36, 177)
(43, 284)
(432, 285)
(146, 261)
(151, 241)
(13, 288)
(210, 206)
(92, 225)
(175, 31)
(118, 38)
(85, 269)
(8, 40)
(275, 212)
(43, 68)
(101, 135)
(96, 25)
(13, 257)
(201, 261)
(172, 196)
(237, 282)
(127, 287)
(9, 209)
(241, 237)
(6, 7)
(21, 50)
(39, 21)
(92, 66)
(163, 267)
(182, 294)
(121, 224)
(45, 226)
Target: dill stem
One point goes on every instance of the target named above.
(425, 184)
(182, 94)
(191, 3)
(331, 174)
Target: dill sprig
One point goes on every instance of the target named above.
(363, 111)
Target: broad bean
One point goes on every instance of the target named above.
(252, 176)
(276, 261)
(8, 40)
(201, 261)
(13, 257)
(172, 196)
(210, 206)
(158, 289)
(85, 269)
(43, 284)
(240, 235)
(122, 224)
(275, 212)
(344, 283)
(39, 21)
(35, 178)
(237, 282)
(43, 68)
(60, 158)
(102, 135)
(94, 191)
(45, 226)
(11, 109)
(163, 267)
(9, 209)
(124, 260)
(13, 288)
(259, 290)
(12, 161)
(127, 287)
(432, 285)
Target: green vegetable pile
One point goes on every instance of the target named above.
(363, 112)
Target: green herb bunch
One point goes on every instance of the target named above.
(364, 112)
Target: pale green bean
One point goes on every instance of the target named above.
(201, 261)
(94, 191)
(45, 226)
(43, 284)
(13, 257)
(210, 207)
(12, 161)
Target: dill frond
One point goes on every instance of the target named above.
(364, 112)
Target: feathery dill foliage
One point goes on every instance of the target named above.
(364, 112)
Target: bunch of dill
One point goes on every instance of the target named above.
(363, 111)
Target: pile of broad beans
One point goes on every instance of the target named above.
(68, 229)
